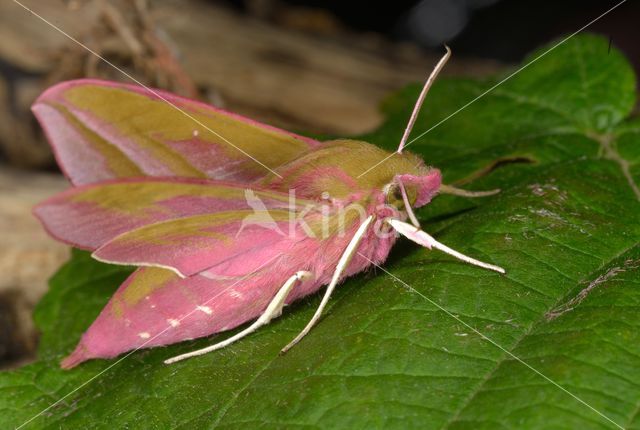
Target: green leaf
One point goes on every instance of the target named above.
(427, 342)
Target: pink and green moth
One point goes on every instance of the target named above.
(199, 199)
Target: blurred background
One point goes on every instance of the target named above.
(308, 66)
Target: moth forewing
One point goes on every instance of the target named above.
(274, 310)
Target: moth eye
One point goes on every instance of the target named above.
(397, 193)
(394, 195)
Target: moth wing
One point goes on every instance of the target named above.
(101, 130)
(156, 307)
(193, 244)
(89, 216)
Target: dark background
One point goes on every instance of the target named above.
(499, 29)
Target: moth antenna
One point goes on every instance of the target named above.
(423, 238)
(449, 189)
(423, 94)
(407, 205)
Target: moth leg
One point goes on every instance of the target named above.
(450, 189)
(345, 258)
(274, 310)
(426, 240)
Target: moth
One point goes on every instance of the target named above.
(225, 218)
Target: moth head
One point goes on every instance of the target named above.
(419, 189)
